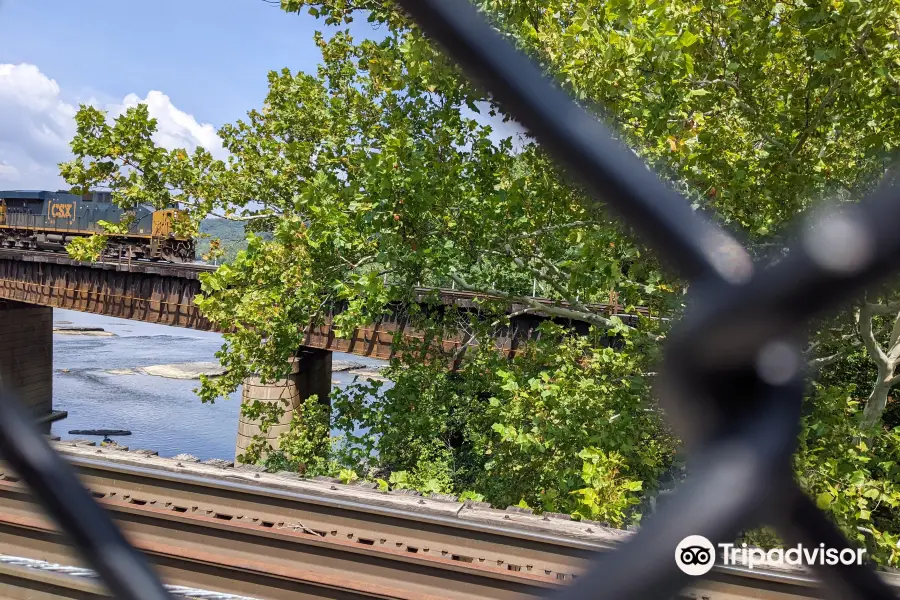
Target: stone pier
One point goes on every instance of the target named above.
(310, 374)
(26, 354)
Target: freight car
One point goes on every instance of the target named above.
(40, 220)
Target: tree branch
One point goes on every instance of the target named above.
(358, 263)
(812, 348)
(243, 217)
(183, 200)
(550, 309)
(550, 228)
(893, 381)
(883, 309)
(458, 353)
(893, 346)
(519, 313)
(820, 112)
(562, 291)
(819, 363)
(864, 323)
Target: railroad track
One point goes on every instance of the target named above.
(264, 535)
(62, 258)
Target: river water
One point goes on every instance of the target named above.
(163, 414)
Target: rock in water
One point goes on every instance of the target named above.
(95, 331)
(345, 365)
(191, 370)
(369, 374)
(121, 372)
(103, 432)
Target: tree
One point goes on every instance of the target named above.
(381, 172)
(871, 321)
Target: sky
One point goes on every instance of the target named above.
(198, 64)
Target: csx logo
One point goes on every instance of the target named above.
(62, 211)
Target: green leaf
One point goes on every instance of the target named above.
(824, 500)
(823, 54)
(687, 39)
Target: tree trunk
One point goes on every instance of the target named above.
(877, 400)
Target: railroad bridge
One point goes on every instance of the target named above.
(33, 283)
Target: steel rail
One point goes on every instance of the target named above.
(248, 558)
(23, 578)
(63, 258)
(22, 583)
(418, 525)
(504, 543)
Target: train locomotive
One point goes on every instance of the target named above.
(41, 220)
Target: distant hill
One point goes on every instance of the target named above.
(230, 232)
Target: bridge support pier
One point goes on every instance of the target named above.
(310, 374)
(26, 355)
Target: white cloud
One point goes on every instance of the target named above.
(36, 124)
(8, 171)
(175, 128)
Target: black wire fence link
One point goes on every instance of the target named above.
(731, 382)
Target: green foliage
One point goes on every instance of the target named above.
(608, 494)
(347, 476)
(755, 109)
(560, 397)
(305, 448)
(221, 239)
(267, 415)
(86, 249)
(366, 193)
(262, 297)
(308, 440)
(515, 431)
(399, 480)
(854, 369)
(857, 483)
(470, 495)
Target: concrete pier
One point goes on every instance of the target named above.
(310, 374)
(26, 354)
